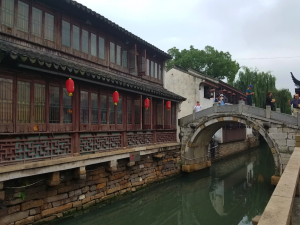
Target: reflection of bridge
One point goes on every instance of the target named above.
(186, 200)
(278, 130)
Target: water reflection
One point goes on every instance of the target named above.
(232, 192)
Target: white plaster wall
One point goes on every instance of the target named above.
(249, 132)
(185, 85)
(205, 102)
(219, 136)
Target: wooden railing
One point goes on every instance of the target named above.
(34, 147)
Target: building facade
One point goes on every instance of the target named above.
(194, 86)
(43, 44)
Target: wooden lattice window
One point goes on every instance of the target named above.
(7, 11)
(173, 115)
(84, 106)
(6, 100)
(152, 69)
(54, 105)
(111, 110)
(148, 68)
(137, 111)
(167, 116)
(49, 27)
(66, 34)
(147, 116)
(93, 44)
(94, 108)
(39, 103)
(112, 51)
(119, 111)
(143, 64)
(23, 102)
(159, 72)
(23, 13)
(103, 105)
(101, 48)
(129, 111)
(155, 70)
(67, 107)
(125, 61)
(159, 115)
(119, 55)
(85, 41)
(36, 22)
(76, 38)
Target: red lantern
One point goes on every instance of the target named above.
(70, 86)
(116, 97)
(147, 103)
(168, 104)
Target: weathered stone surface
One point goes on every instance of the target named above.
(89, 204)
(2, 195)
(31, 204)
(13, 209)
(14, 217)
(58, 209)
(56, 198)
(112, 190)
(255, 220)
(34, 211)
(53, 179)
(102, 185)
(291, 143)
(275, 180)
(28, 220)
(68, 188)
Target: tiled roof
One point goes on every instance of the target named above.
(52, 61)
(113, 25)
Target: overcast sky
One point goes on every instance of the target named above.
(245, 28)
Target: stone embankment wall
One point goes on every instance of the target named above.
(233, 148)
(41, 202)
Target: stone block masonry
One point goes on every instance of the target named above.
(228, 149)
(47, 200)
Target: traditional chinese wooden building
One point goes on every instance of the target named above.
(46, 42)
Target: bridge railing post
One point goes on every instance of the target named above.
(268, 112)
(241, 103)
(253, 104)
(278, 110)
(215, 107)
(298, 116)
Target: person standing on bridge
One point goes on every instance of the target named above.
(198, 107)
(249, 95)
(295, 103)
(270, 101)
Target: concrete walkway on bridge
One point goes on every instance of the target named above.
(278, 129)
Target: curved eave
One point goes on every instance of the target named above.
(51, 62)
(297, 82)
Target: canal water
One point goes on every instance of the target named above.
(231, 192)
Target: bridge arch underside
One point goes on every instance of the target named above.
(196, 148)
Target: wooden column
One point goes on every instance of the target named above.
(163, 113)
(141, 107)
(76, 121)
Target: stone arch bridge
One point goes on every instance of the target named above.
(278, 129)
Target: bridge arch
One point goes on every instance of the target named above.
(196, 142)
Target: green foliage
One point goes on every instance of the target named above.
(22, 195)
(209, 61)
(262, 83)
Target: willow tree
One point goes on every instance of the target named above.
(262, 83)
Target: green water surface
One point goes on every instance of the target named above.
(231, 192)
